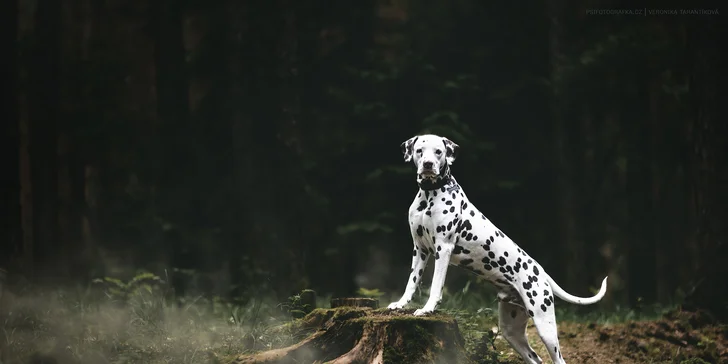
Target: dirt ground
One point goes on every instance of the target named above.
(673, 339)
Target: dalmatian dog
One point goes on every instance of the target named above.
(444, 223)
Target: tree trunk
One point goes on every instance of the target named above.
(709, 174)
(44, 85)
(10, 233)
(25, 28)
(572, 247)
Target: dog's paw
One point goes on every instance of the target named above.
(395, 305)
(422, 311)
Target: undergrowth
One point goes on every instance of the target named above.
(112, 321)
(115, 321)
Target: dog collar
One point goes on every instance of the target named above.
(429, 185)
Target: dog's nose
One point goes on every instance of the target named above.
(427, 165)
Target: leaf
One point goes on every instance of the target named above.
(374, 174)
(364, 226)
(374, 293)
(451, 84)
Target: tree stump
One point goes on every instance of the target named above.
(363, 335)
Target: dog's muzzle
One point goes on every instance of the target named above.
(427, 170)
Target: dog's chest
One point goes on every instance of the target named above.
(431, 211)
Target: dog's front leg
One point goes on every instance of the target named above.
(442, 260)
(419, 262)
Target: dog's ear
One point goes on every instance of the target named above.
(407, 148)
(451, 150)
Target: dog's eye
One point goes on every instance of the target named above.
(438, 152)
(418, 151)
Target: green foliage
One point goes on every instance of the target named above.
(297, 306)
(369, 293)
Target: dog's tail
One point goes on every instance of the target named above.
(560, 293)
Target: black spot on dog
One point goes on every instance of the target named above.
(449, 226)
(422, 206)
(505, 254)
(543, 308)
(472, 213)
(535, 270)
(475, 238)
(428, 213)
(530, 313)
(437, 255)
(491, 255)
(444, 211)
(502, 261)
(423, 256)
(527, 285)
(419, 230)
(528, 294)
(525, 266)
(414, 252)
(546, 292)
(439, 248)
(448, 202)
(457, 250)
(469, 237)
(419, 273)
(532, 301)
(487, 267)
(414, 279)
(452, 208)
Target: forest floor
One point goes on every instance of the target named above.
(134, 326)
(675, 338)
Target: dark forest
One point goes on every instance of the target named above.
(165, 155)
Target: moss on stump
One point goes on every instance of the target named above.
(365, 335)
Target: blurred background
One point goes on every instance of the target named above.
(243, 148)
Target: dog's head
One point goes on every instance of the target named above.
(432, 154)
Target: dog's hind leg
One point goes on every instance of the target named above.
(545, 321)
(512, 320)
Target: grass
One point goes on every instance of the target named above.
(132, 326)
(130, 322)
